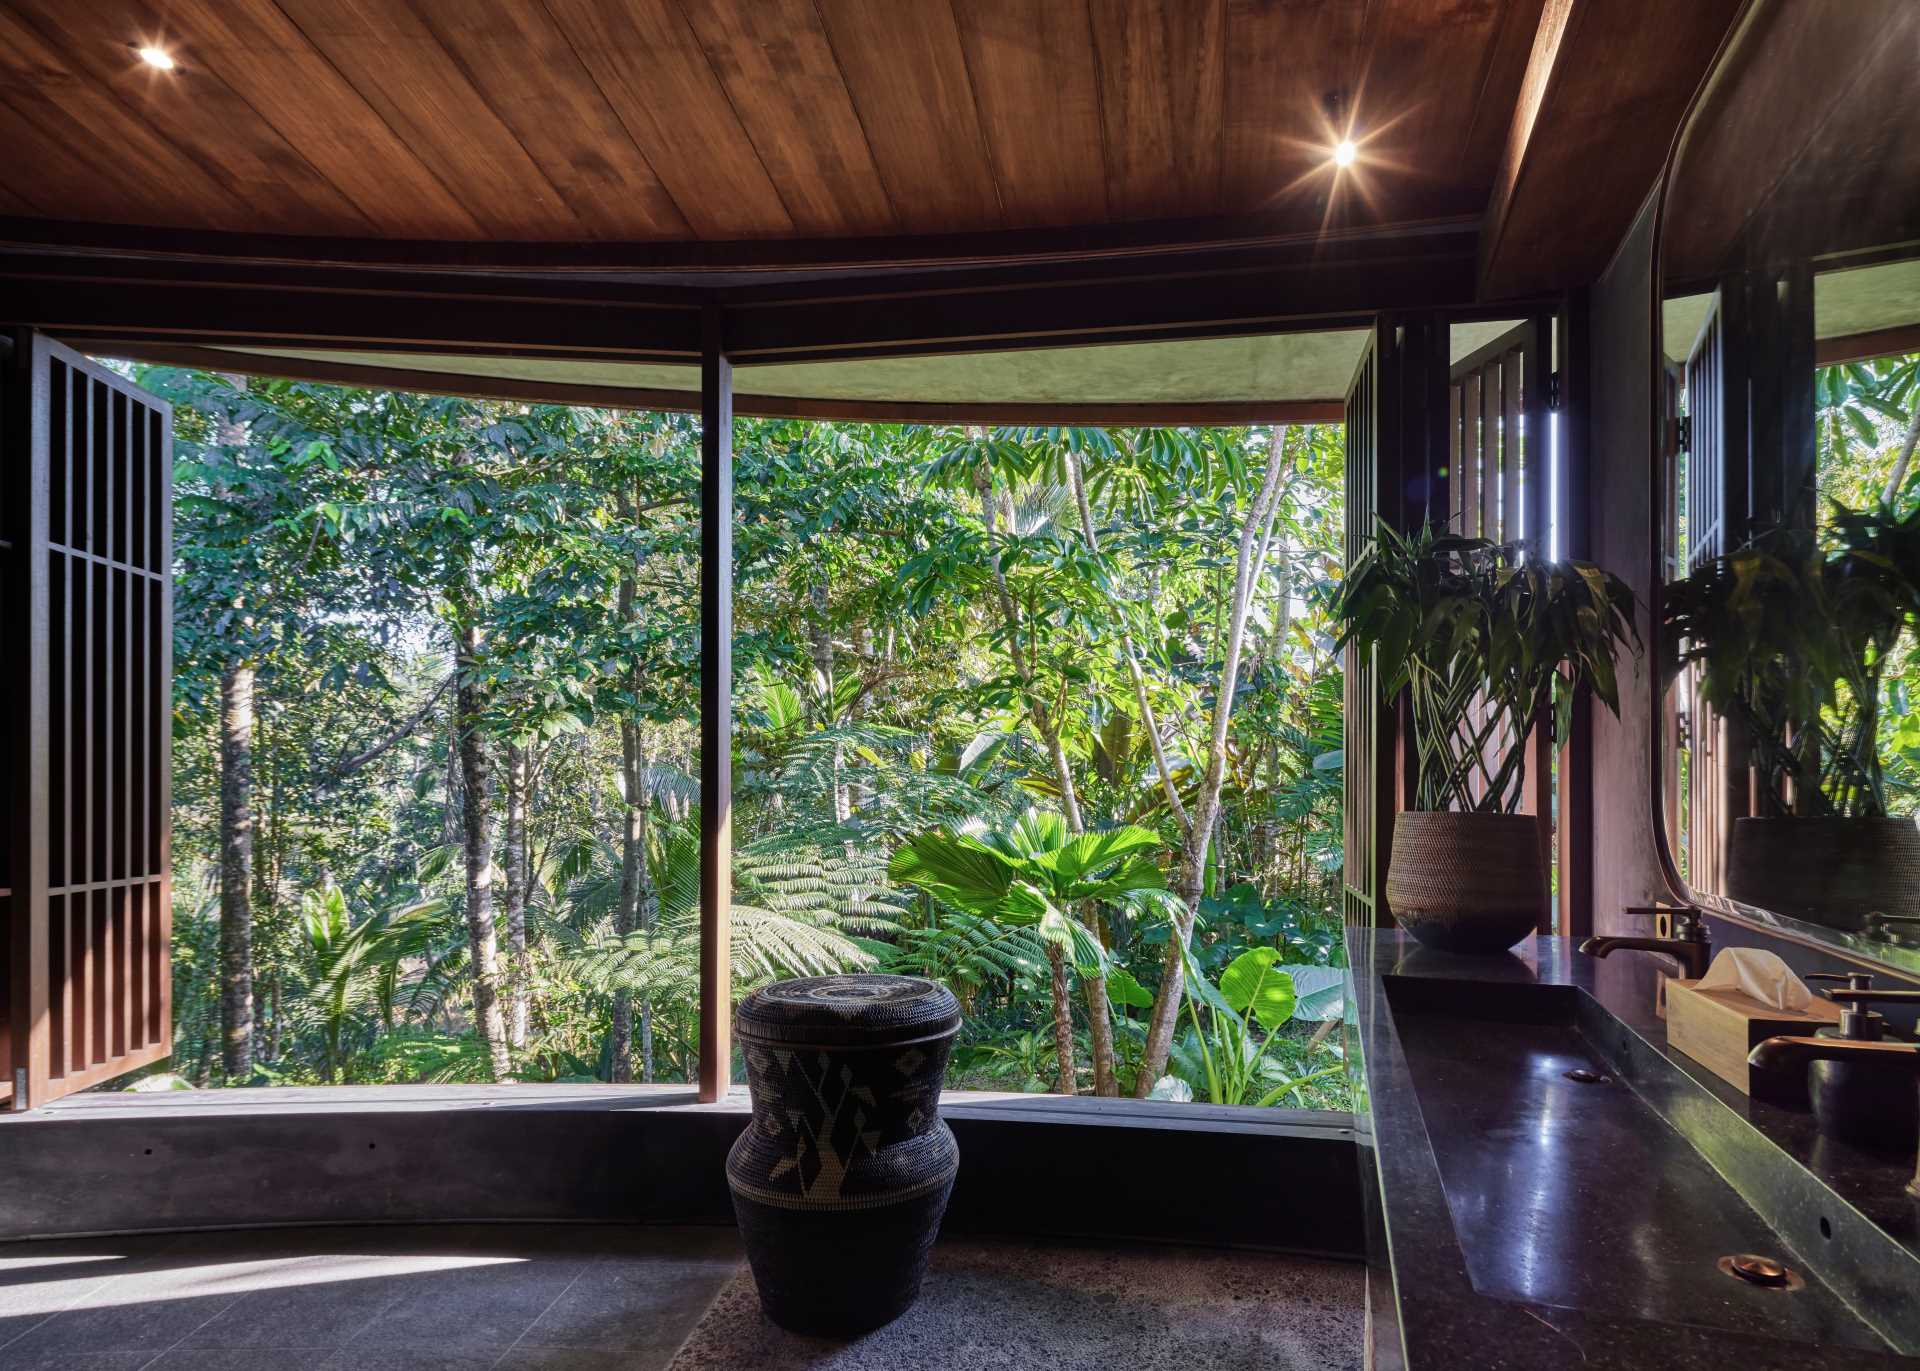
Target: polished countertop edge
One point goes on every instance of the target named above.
(1441, 1319)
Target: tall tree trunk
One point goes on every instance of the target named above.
(1897, 478)
(451, 823)
(1043, 723)
(477, 837)
(633, 856)
(1099, 1007)
(633, 861)
(820, 633)
(1256, 537)
(236, 871)
(519, 965)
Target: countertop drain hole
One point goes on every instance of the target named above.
(1767, 1272)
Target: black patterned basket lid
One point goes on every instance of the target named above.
(849, 1011)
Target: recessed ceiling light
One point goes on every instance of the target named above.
(1344, 153)
(159, 58)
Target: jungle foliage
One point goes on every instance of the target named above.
(1050, 714)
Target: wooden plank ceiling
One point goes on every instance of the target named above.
(715, 120)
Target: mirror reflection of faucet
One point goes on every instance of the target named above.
(1865, 1086)
(1892, 928)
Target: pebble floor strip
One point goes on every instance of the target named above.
(1011, 1306)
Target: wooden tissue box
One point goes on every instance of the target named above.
(1718, 1028)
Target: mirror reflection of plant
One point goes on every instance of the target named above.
(1485, 638)
(1793, 635)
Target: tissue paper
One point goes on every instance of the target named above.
(1758, 975)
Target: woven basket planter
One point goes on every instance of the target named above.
(840, 1181)
(1826, 870)
(1467, 882)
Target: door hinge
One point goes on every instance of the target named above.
(1553, 390)
(1683, 433)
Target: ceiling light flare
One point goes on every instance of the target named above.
(1344, 153)
(158, 58)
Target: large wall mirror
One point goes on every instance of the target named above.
(1788, 385)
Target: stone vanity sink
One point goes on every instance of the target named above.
(1557, 1189)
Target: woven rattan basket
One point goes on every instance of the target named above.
(1467, 882)
(1826, 870)
(842, 1178)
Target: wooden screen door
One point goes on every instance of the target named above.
(1368, 797)
(1498, 489)
(87, 543)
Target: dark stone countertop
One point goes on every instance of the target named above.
(1842, 1212)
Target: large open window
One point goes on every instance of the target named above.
(1024, 707)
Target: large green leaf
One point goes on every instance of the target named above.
(1321, 992)
(1126, 992)
(1254, 981)
(1037, 831)
(956, 868)
(1095, 852)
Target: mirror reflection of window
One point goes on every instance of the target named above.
(1789, 486)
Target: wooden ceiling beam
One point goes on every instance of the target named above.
(292, 308)
(1109, 308)
(691, 260)
(1605, 87)
(1044, 304)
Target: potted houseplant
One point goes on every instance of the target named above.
(1791, 637)
(1485, 638)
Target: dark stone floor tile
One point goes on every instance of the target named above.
(99, 1324)
(38, 1279)
(232, 1359)
(408, 1359)
(309, 1311)
(475, 1306)
(635, 1304)
(10, 1360)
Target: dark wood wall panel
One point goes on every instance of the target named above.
(1623, 529)
(89, 559)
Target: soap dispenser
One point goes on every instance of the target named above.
(1856, 1104)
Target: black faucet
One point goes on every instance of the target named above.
(1788, 1053)
(1688, 945)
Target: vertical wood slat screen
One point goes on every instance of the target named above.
(1714, 497)
(89, 615)
(1498, 488)
(1672, 559)
(1360, 890)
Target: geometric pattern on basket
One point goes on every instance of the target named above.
(823, 1116)
(845, 1073)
